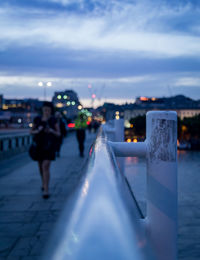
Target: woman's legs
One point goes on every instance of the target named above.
(58, 145)
(81, 138)
(46, 174)
(41, 172)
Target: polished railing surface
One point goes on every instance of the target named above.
(102, 221)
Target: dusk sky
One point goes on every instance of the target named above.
(123, 48)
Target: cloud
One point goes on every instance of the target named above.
(126, 27)
(188, 81)
(67, 2)
(134, 47)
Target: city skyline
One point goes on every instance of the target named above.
(124, 49)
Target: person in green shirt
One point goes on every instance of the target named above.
(80, 126)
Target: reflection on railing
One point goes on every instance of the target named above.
(103, 222)
(85, 188)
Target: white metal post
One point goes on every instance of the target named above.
(119, 137)
(162, 183)
(119, 130)
(109, 129)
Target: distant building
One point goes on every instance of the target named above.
(110, 111)
(19, 112)
(67, 102)
(184, 106)
(17, 104)
(134, 112)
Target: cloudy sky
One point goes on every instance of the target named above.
(123, 48)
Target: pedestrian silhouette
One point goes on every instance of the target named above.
(80, 126)
(45, 132)
(63, 132)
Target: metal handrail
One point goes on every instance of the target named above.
(103, 222)
(160, 151)
(12, 144)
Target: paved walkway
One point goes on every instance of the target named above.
(26, 219)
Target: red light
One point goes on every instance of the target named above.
(93, 95)
(90, 153)
(71, 125)
(88, 122)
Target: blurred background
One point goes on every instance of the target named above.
(110, 60)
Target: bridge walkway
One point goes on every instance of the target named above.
(26, 219)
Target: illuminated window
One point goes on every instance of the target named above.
(5, 106)
(59, 105)
(184, 128)
(144, 99)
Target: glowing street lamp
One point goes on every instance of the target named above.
(47, 84)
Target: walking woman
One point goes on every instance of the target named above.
(45, 131)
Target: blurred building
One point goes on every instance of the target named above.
(18, 112)
(184, 106)
(67, 102)
(27, 104)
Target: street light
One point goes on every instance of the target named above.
(47, 84)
